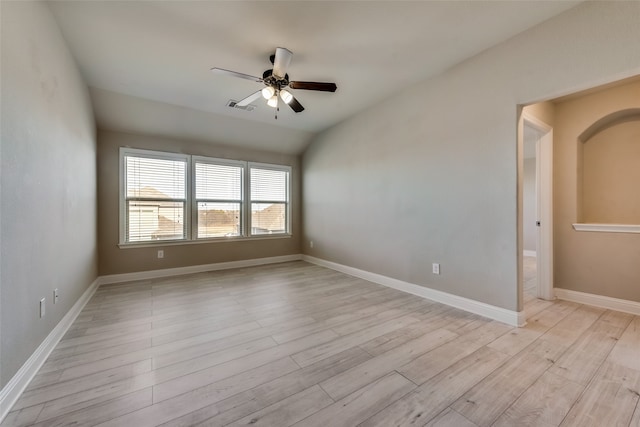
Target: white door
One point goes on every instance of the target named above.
(544, 207)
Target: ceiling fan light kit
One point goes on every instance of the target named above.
(276, 80)
(286, 96)
(268, 92)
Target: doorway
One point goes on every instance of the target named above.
(537, 211)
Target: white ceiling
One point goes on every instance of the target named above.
(148, 62)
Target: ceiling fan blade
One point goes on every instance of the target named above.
(249, 99)
(295, 105)
(324, 87)
(236, 74)
(281, 62)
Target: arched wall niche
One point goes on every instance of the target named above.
(592, 258)
(609, 169)
(629, 114)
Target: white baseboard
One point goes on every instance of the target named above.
(14, 388)
(529, 253)
(616, 304)
(167, 272)
(509, 317)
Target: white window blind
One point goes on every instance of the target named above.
(218, 199)
(155, 198)
(269, 200)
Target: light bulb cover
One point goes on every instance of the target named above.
(286, 96)
(273, 101)
(268, 92)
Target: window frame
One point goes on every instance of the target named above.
(249, 200)
(191, 202)
(194, 200)
(123, 199)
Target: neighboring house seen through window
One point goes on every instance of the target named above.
(177, 197)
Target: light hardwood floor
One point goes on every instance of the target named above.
(297, 344)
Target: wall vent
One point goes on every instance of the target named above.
(233, 104)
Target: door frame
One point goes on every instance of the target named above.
(544, 206)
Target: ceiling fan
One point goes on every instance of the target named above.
(276, 81)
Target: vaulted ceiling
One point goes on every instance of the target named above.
(147, 63)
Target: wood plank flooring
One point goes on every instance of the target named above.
(295, 344)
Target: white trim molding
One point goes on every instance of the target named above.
(529, 253)
(14, 388)
(608, 228)
(626, 306)
(166, 272)
(513, 318)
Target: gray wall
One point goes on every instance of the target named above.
(431, 174)
(48, 210)
(115, 260)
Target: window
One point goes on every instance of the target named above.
(176, 197)
(218, 199)
(269, 199)
(155, 196)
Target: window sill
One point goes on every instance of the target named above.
(608, 228)
(199, 241)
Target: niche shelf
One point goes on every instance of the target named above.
(608, 228)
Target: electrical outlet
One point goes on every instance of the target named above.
(311, 244)
(160, 253)
(55, 296)
(42, 307)
(435, 268)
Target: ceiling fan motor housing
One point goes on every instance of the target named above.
(270, 80)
